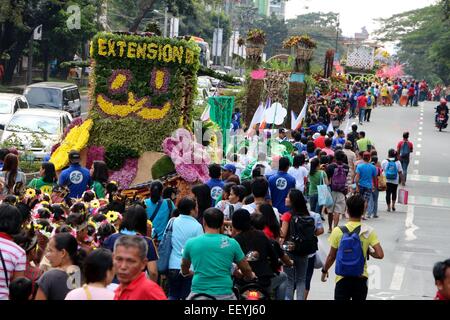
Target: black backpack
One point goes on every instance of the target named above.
(302, 234)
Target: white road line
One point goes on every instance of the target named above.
(397, 278)
(421, 122)
(419, 139)
(417, 153)
(416, 162)
(420, 133)
(420, 128)
(419, 145)
(409, 224)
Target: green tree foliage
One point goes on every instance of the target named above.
(276, 31)
(320, 26)
(422, 38)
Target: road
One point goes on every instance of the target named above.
(416, 235)
(84, 106)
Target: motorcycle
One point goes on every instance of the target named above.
(441, 122)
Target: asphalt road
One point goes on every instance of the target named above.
(84, 106)
(416, 235)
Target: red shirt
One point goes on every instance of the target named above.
(411, 91)
(140, 288)
(362, 102)
(439, 296)
(400, 144)
(269, 234)
(320, 142)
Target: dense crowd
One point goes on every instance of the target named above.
(257, 221)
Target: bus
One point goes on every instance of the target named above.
(205, 53)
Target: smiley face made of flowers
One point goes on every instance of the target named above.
(118, 83)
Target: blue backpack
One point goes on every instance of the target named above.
(391, 170)
(350, 259)
(165, 249)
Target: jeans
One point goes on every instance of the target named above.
(396, 98)
(372, 208)
(391, 193)
(351, 288)
(410, 100)
(296, 277)
(362, 113)
(352, 111)
(179, 287)
(310, 272)
(405, 164)
(367, 115)
(279, 284)
(314, 204)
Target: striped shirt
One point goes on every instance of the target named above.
(15, 261)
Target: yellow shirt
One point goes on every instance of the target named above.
(367, 236)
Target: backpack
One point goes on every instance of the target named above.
(369, 101)
(339, 180)
(165, 248)
(382, 186)
(391, 170)
(302, 234)
(405, 150)
(350, 257)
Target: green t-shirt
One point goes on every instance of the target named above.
(314, 181)
(99, 190)
(363, 144)
(40, 184)
(212, 256)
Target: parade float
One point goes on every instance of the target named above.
(141, 96)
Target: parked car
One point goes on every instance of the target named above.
(54, 95)
(36, 130)
(10, 104)
(203, 82)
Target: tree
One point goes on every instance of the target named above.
(320, 26)
(276, 31)
(422, 38)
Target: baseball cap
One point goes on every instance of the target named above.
(229, 167)
(74, 156)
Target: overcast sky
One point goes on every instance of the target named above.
(355, 14)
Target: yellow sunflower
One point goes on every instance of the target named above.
(95, 204)
(112, 216)
(31, 193)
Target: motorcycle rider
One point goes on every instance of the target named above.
(442, 107)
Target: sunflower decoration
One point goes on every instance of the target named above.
(112, 216)
(93, 224)
(30, 193)
(95, 204)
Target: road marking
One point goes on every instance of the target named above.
(425, 178)
(421, 122)
(417, 153)
(409, 224)
(420, 133)
(419, 146)
(419, 139)
(416, 162)
(420, 128)
(397, 278)
(429, 201)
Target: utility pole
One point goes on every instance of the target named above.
(30, 61)
(165, 21)
(337, 35)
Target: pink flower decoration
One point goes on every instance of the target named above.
(95, 153)
(125, 176)
(258, 74)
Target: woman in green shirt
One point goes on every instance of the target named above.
(316, 177)
(100, 176)
(48, 179)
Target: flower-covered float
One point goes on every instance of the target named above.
(141, 91)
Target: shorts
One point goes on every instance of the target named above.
(366, 193)
(338, 203)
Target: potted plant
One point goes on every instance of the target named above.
(304, 44)
(256, 39)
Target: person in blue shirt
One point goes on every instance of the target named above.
(184, 227)
(215, 184)
(158, 210)
(236, 119)
(280, 184)
(365, 179)
(76, 177)
(339, 140)
(3, 154)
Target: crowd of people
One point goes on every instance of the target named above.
(256, 221)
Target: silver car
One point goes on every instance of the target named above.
(35, 131)
(10, 104)
(54, 95)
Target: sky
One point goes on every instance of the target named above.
(355, 14)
